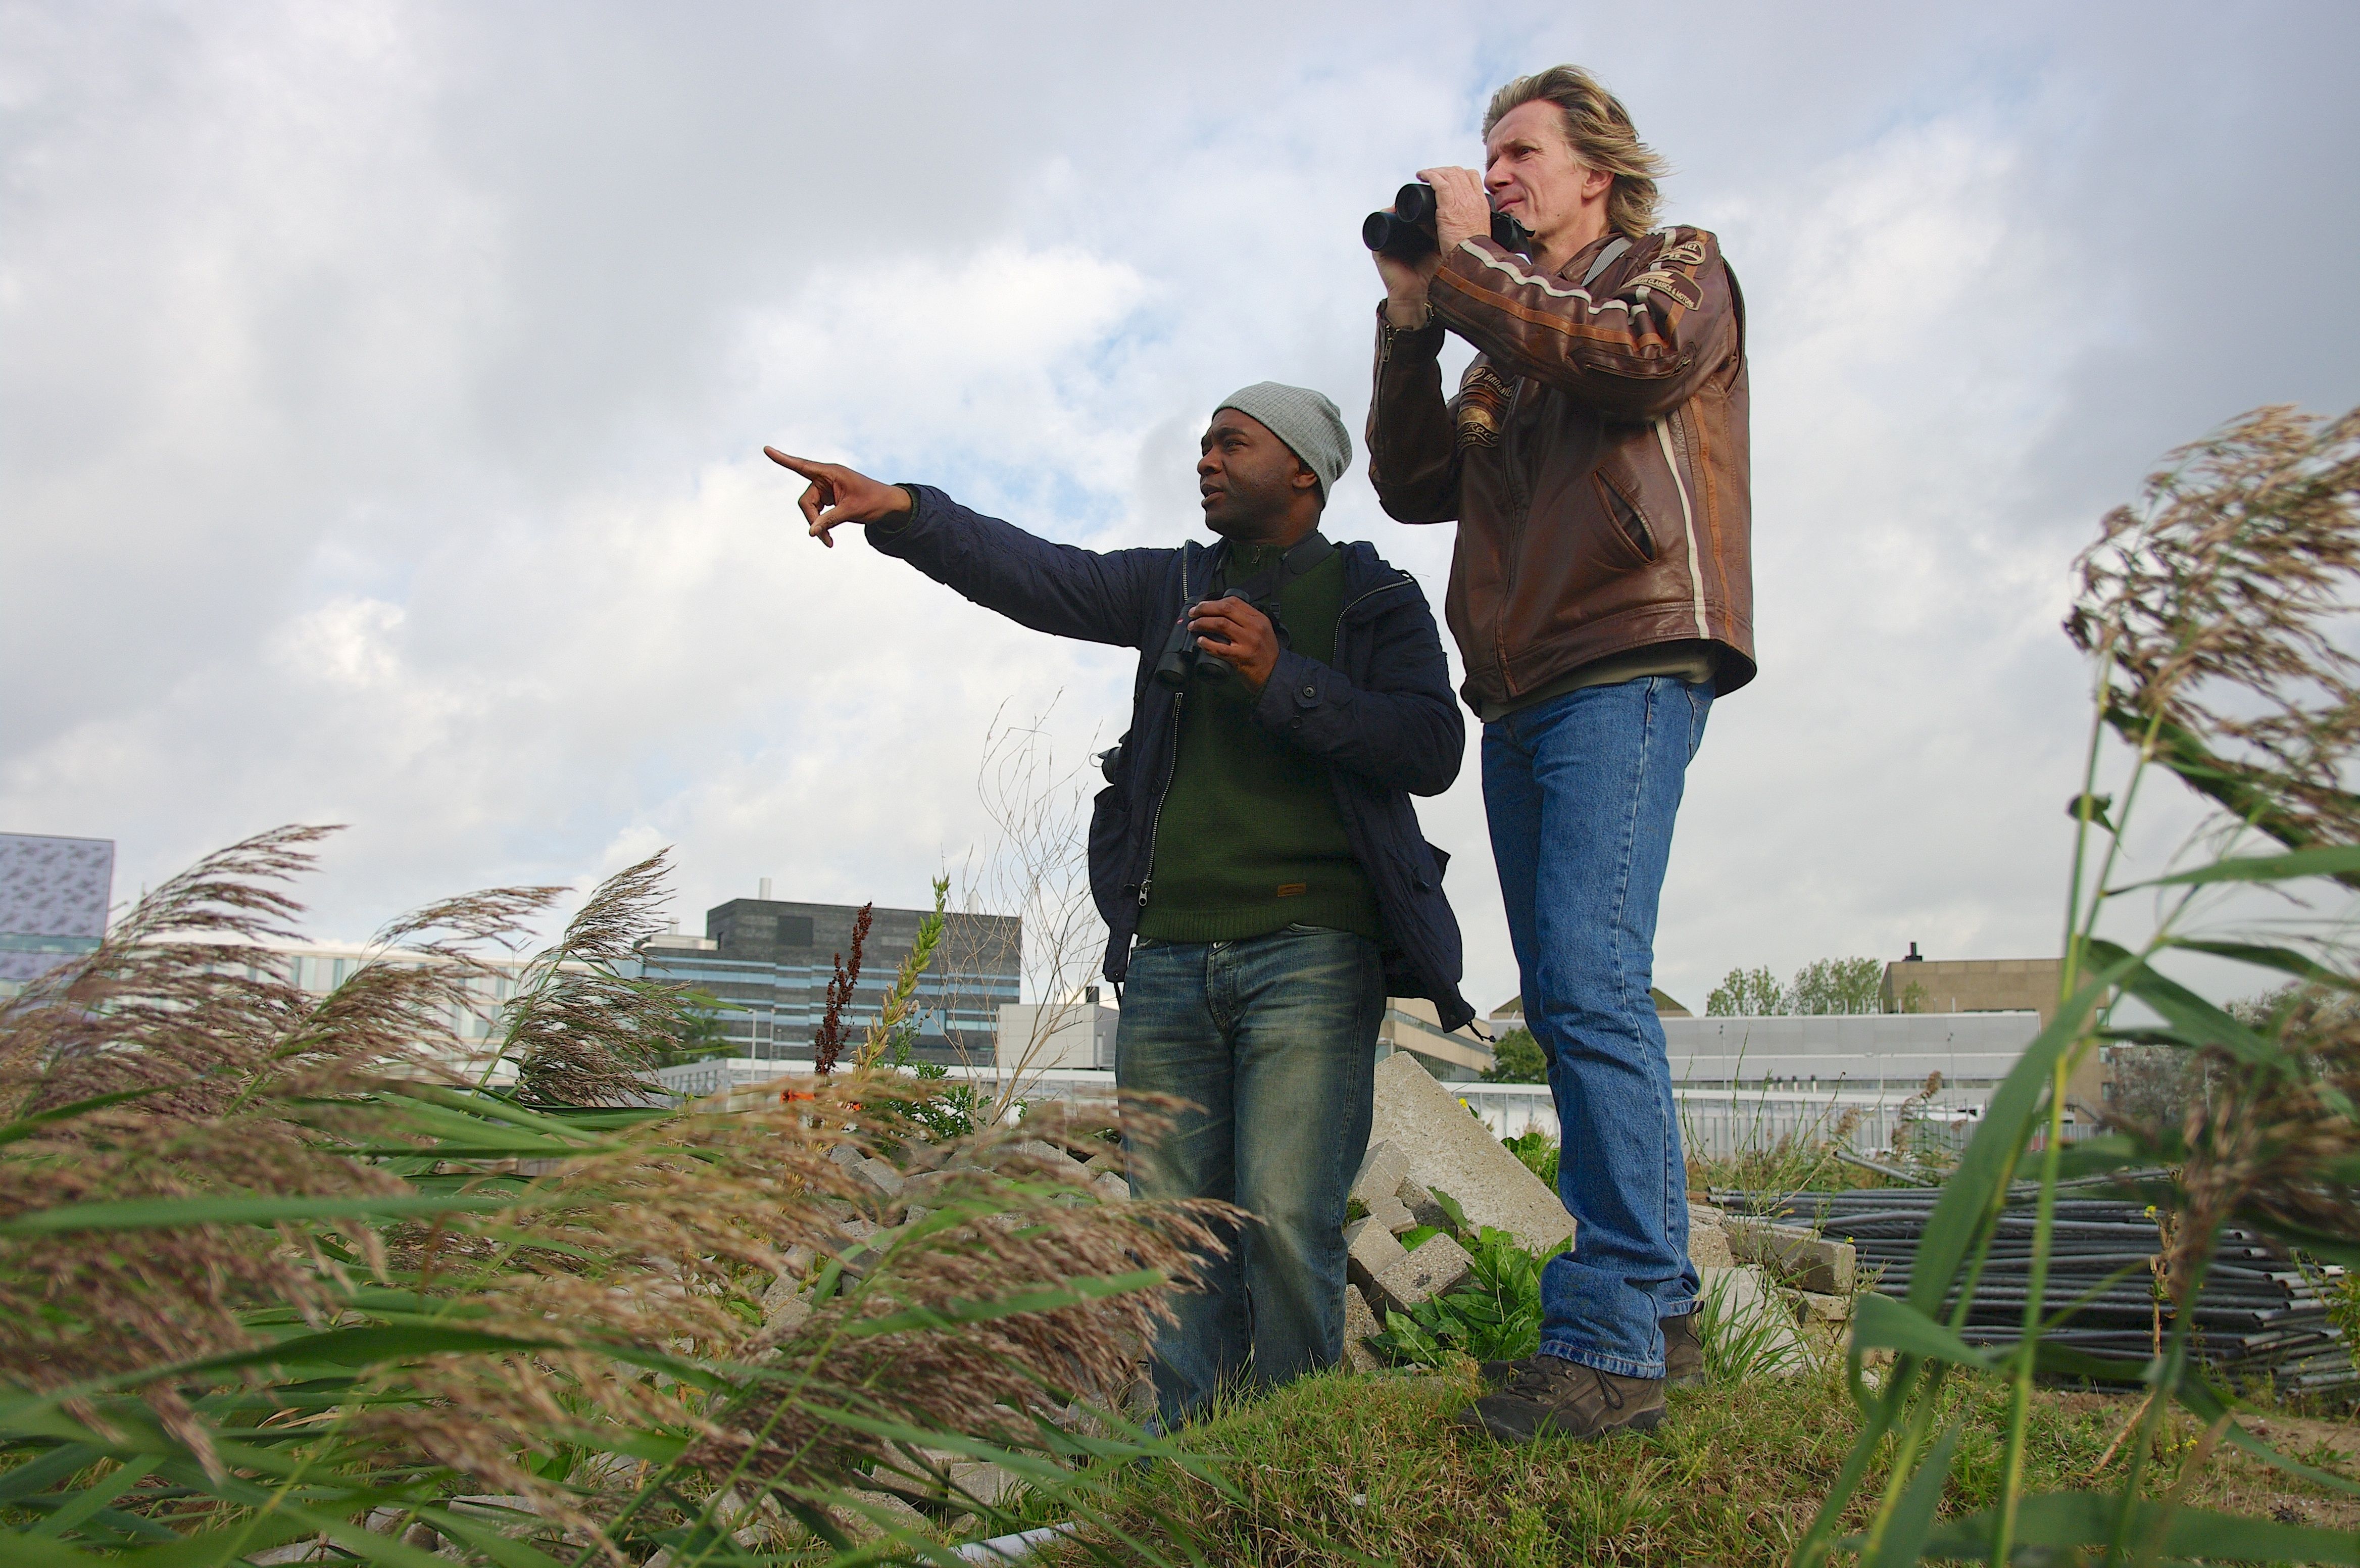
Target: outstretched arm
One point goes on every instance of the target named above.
(1061, 589)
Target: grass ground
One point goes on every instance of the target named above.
(1353, 1469)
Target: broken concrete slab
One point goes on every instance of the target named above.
(1368, 1250)
(1383, 1168)
(847, 1154)
(1390, 1213)
(880, 1175)
(1804, 1260)
(1446, 1147)
(1060, 1164)
(1435, 1268)
(787, 1315)
(1111, 1186)
(1708, 1242)
(1744, 1307)
(1359, 1322)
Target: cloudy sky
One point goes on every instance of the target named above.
(382, 388)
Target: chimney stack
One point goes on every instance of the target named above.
(765, 897)
(1914, 957)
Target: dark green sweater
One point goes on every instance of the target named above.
(1249, 840)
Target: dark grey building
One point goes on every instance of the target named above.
(769, 961)
(53, 899)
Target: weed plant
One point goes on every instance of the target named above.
(2209, 612)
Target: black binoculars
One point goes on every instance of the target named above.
(1184, 655)
(1408, 229)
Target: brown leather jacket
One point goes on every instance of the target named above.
(1595, 457)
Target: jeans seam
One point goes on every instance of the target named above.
(1618, 1365)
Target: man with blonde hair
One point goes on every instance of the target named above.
(1594, 459)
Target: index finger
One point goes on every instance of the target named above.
(803, 465)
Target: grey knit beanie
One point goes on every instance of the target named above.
(1302, 419)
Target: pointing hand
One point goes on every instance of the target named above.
(837, 495)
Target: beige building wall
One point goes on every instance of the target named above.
(1991, 985)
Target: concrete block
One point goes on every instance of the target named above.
(1359, 1322)
(1111, 1188)
(1745, 1303)
(1368, 1250)
(783, 1311)
(1383, 1169)
(880, 1175)
(1708, 1242)
(1433, 1270)
(1808, 1262)
(1389, 1213)
(1818, 1309)
(1447, 1148)
(847, 1154)
(1060, 1164)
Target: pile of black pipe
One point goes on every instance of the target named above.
(2258, 1317)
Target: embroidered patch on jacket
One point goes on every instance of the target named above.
(1683, 290)
(1688, 252)
(1293, 889)
(1482, 407)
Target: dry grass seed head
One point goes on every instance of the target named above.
(2214, 603)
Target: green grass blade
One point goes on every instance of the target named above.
(2065, 1519)
(2324, 859)
(150, 1213)
(2194, 1021)
(1074, 1292)
(92, 1498)
(2284, 959)
(1913, 1520)
(26, 1126)
(1880, 1321)
(38, 1552)
(1975, 1188)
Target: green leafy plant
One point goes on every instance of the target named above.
(278, 1273)
(2207, 611)
(1494, 1315)
(1538, 1152)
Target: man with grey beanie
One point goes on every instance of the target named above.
(1255, 854)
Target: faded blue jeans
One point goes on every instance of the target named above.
(1272, 1040)
(1581, 792)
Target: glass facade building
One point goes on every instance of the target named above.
(768, 963)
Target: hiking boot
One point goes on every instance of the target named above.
(1683, 1353)
(1548, 1395)
(1683, 1358)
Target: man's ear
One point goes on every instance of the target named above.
(1303, 478)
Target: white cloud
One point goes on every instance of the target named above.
(380, 428)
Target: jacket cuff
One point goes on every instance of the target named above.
(1297, 684)
(893, 538)
(1408, 341)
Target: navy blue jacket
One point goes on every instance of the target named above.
(1381, 716)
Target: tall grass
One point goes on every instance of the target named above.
(2210, 613)
(282, 1275)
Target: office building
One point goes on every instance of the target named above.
(768, 963)
(54, 894)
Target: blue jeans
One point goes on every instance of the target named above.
(1272, 1042)
(1581, 791)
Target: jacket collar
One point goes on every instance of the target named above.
(1364, 569)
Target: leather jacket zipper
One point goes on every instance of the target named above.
(1519, 504)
